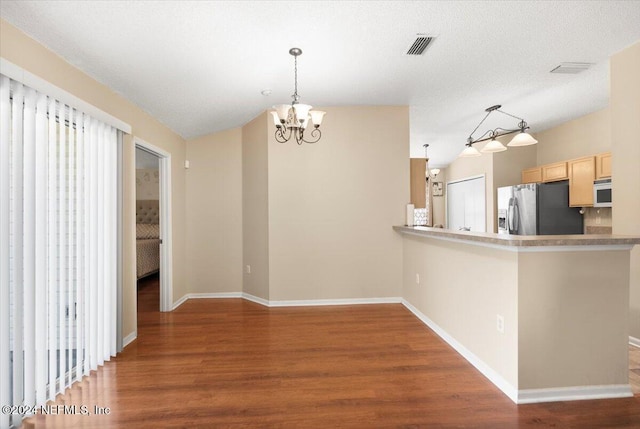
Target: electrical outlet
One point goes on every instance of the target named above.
(500, 323)
(417, 279)
(247, 269)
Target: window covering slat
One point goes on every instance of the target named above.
(62, 249)
(52, 280)
(41, 248)
(5, 306)
(29, 247)
(17, 219)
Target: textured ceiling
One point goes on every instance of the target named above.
(199, 66)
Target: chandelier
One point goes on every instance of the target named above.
(520, 139)
(291, 120)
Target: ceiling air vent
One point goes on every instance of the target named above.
(420, 45)
(571, 68)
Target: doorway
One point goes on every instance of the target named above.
(153, 223)
(466, 204)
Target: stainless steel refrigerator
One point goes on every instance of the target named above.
(537, 209)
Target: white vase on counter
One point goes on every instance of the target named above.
(410, 216)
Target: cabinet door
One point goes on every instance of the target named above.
(532, 175)
(603, 165)
(554, 172)
(418, 169)
(582, 173)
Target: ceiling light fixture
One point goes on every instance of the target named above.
(434, 171)
(292, 119)
(521, 139)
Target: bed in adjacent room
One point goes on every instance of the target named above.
(147, 238)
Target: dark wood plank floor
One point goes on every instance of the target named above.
(235, 364)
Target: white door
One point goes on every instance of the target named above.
(466, 204)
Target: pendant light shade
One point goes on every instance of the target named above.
(276, 119)
(470, 152)
(522, 139)
(316, 117)
(493, 146)
(282, 110)
(301, 111)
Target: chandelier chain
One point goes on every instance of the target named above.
(295, 74)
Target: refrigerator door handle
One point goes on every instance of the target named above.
(516, 215)
(509, 214)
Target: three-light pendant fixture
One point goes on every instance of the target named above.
(522, 138)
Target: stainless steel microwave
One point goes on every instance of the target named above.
(602, 193)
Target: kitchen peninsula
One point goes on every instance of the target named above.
(543, 317)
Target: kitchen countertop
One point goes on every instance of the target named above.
(527, 241)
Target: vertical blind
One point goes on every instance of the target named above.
(58, 236)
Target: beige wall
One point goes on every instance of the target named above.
(571, 329)
(332, 205)
(625, 148)
(462, 288)
(586, 135)
(255, 207)
(214, 213)
(23, 51)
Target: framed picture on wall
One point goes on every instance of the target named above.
(437, 189)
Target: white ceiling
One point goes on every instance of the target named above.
(199, 66)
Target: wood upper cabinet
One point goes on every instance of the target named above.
(582, 173)
(603, 165)
(417, 172)
(532, 175)
(554, 172)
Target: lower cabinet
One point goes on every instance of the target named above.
(582, 173)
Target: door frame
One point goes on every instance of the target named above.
(166, 246)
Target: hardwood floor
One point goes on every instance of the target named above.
(236, 364)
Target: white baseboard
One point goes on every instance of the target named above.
(179, 302)
(256, 299)
(578, 393)
(474, 360)
(324, 302)
(129, 339)
(215, 295)
(634, 341)
(182, 300)
(289, 303)
(320, 302)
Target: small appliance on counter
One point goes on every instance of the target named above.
(538, 209)
(602, 193)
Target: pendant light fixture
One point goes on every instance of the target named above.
(429, 172)
(521, 139)
(291, 120)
